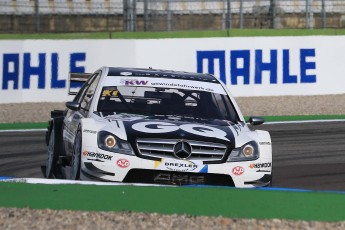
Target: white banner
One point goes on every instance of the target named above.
(37, 70)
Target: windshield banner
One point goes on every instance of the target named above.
(164, 83)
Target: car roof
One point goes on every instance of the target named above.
(137, 72)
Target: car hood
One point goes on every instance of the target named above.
(174, 127)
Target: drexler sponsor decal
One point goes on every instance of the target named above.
(122, 163)
(97, 155)
(186, 166)
(238, 170)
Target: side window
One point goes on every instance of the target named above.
(229, 107)
(80, 93)
(89, 92)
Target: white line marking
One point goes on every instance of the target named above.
(59, 181)
(23, 130)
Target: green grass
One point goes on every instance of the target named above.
(14, 126)
(303, 118)
(198, 201)
(178, 34)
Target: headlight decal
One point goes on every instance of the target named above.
(248, 152)
(109, 142)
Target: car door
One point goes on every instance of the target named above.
(73, 118)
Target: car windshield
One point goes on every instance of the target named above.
(166, 101)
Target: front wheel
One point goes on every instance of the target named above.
(75, 163)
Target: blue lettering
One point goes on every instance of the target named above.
(55, 82)
(236, 71)
(9, 75)
(260, 66)
(29, 70)
(240, 66)
(304, 53)
(74, 59)
(287, 78)
(211, 56)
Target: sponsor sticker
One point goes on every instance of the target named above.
(186, 166)
(110, 93)
(166, 127)
(238, 170)
(89, 131)
(260, 165)
(122, 163)
(97, 155)
(265, 143)
(178, 165)
(133, 82)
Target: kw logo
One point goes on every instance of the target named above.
(135, 82)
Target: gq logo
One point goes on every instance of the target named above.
(165, 127)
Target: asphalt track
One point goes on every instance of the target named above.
(305, 155)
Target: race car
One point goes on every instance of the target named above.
(153, 126)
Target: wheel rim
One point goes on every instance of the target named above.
(50, 155)
(76, 158)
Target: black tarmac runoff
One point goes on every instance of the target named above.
(307, 155)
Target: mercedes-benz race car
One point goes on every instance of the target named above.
(156, 127)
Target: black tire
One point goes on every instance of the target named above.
(75, 161)
(52, 154)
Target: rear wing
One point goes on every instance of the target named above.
(76, 81)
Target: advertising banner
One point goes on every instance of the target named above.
(37, 70)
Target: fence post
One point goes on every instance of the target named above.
(306, 13)
(241, 14)
(168, 16)
(272, 14)
(323, 12)
(129, 15)
(311, 15)
(134, 16)
(146, 15)
(37, 14)
(125, 16)
(228, 15)
(309, 21)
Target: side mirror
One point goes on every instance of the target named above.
(256, 120)
(75, 106)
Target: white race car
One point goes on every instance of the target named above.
(158, 127)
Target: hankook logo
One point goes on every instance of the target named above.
(182, 150)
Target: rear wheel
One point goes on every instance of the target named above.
(75, 162)
(52, 155)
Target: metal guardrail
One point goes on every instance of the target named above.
(168, 15)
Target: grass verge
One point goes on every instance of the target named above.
(16, 126)
(178, 34)
(199, 201)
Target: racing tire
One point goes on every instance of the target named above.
(76, 157)
(52, 155)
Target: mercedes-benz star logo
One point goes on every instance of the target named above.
(182, 150)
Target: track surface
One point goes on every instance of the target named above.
(305, 156)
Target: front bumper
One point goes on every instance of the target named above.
(97, 164)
